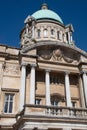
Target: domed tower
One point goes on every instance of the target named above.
(45, 25)
(53, 73)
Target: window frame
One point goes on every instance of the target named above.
(9, 102)
(38, 33)
(45, 32)
(37, 101)
(52, 32)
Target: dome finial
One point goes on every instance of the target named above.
(44, 6)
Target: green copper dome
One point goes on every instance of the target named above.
(47, 14)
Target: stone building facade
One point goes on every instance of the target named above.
(43, 84)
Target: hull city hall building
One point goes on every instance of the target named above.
(43, 84)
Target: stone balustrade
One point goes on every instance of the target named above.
(54, 111)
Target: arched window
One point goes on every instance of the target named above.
(45, 32)
(38, 33)
(58, 34)
(55, 100)
(52, 32)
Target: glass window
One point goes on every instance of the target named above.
(37, 101)
(54, 103)
(58, 33)
(55, 100)
(73, 104)
(54, 79)
(45, 32)
(52, 32)
(8, 104)
(38, 33)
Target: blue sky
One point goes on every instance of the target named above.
(14, 12)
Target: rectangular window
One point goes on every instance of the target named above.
(73, 104)
(37, 101)
(38, 33)
(8, 104)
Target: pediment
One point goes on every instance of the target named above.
(55, 52)
(58, 54)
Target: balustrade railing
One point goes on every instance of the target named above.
(55, 111)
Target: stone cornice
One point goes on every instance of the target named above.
(51, 43)
(10, 90)
(31, 56)
(8, 55)
(7, 46)
(50, 21)
(57, 63)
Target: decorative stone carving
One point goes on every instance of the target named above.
(67, 59)
(57, 55)
(45, 54)
(12, 69)
(28, 36)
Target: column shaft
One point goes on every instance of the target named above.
(47, 81)
(67, 89)
(69, 37)
(85, 86)
(32, 85)
(33, 31)
(81, 92)
(22, 89)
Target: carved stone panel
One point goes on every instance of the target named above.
(12, 69)
(57, 55)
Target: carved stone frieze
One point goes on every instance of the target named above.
(12, 69)
(56, 55)
(26, 41)
(46, 54)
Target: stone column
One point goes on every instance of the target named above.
(33, 29)
(32, 84)
(84, 76)
(47, 81)
(67, 89)
(69, 37)
(81, 92)
(22, 88)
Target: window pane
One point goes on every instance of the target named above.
(6, 97)
(52, 32)
(11, 97)
(45, 33)
(8, 103)
(6, 107)
(38, 33)
(10, 107)
(37, 101)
